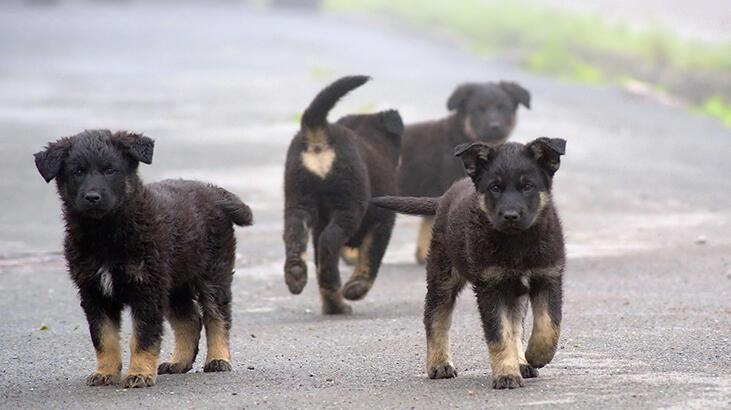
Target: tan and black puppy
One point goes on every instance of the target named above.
(480, 112)
(165, 249)
(331, 173)
(499, 231)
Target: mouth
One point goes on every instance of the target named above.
(95, 212)
(511, 229)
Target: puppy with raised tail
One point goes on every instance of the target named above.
(498, 230)
(165, 249)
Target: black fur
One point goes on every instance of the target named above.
(481, 112)
(168, 247)
(497, 229)
(331, 172)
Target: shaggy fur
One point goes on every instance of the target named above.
(481, 112)
(165, 250)
(331, 172)
(499, 231)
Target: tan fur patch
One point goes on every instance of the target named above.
(424, 239)
(517, 324)
(504, 354)
(318, 159)
(544, 337)
(438, 349)
(217, 340)
(109, 357)
(349, 254)
(142, 362)
(187, 336)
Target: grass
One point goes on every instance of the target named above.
(571, 46)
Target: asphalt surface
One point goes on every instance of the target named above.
(644, 192)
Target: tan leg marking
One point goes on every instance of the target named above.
(108, 357)
(187, 336)
(544, 337)
(438, 349)
(360, 281)
(424, 239)
(504, 354)
(349, 255)
(517, 323)
(142, 370)
(333, 302)
(217, 340)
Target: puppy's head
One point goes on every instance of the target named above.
(513, 181)
(488, 110)
(95, 171)
(385, 126)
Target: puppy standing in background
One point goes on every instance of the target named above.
(482, 112)
(157, 248)
(499, 231)
(331, 173)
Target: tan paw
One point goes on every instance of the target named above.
(99, 379)
(139, 380)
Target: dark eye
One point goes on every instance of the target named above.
(495, 189)
(110, 171)
(77, 172)
(528, 187)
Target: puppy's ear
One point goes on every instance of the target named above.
(475, 156)
(519, 94)
(547, 152)
(137, 146)
(459, 97)
(392, 122)
(50, 160)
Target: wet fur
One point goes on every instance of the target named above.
(331, 172)
(165, 249)
(506, 267)
(427, 167)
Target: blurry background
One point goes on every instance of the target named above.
(640, 89)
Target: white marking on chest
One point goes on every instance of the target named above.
(105, 281)
(318, 159)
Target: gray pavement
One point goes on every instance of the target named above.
(643, 191)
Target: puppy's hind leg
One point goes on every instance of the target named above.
(443, 286)
(216, 305)
(370, 255)
(185, 319)
(424, 238)
(334, 235)
(296, 223)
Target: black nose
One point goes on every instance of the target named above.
(511, 216)
(92, 197)
(494, 125)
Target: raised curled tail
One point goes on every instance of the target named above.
(410, 205)
(239, 213)
(315, 116)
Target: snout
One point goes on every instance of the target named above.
(92, 197)
(512, 221)
(94, 203)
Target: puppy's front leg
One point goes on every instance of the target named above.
(296, 222)
(498, 307)
(104, 320)
(144, 345)
(546, 298)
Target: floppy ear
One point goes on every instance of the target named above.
(547, 152)
(137, 146)
(50, 160)
(475, 155)
(392, 122)
(519, 94)
(460, 96)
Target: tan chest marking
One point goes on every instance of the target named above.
(318, 159)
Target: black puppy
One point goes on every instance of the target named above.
(498, 230)
(482, 112)
(331, 172)
(157, 248)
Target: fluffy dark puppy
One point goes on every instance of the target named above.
(331, 172)
(164, 249)
(498, 230)
(481, 112)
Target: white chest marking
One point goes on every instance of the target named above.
(105, 282)
(318, 161)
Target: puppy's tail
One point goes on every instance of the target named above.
(315, 116)
(239, 213)
(409, 205)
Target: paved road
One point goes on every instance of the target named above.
(644, 193)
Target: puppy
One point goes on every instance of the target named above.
(331, 172)
(481, 112)
(498, 230)
(157, 248)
